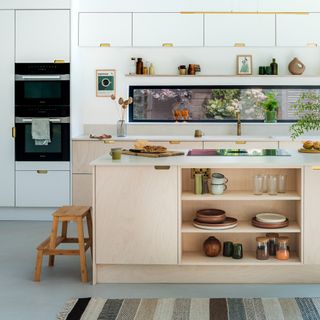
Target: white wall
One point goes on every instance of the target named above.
(88, 109)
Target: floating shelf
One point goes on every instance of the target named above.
(242, 227)
(217, 76)
(240, 196)
(198, 258)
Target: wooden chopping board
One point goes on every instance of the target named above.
(302, 150)
(153, 155)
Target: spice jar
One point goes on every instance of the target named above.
(272, 244)
(282, 252)
(262, 252)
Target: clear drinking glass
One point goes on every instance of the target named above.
(282, 183)
(265, 183)
(273, 185)
(258, 185)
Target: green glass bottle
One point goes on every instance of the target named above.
(274, 67)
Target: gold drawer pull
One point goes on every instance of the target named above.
(316, 168)
(42, 171)
(239, 44)
(105, 45)
(174, 142)
(58, 61)
(241, 142)
(108, 141)
(167, 44)
(162, 167)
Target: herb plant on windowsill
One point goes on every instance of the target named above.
(308, 111)
(270, 106)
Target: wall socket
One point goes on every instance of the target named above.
(204, 171)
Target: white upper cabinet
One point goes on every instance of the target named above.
(6, 108)
(42, 35)
(298, 30)
(227, 30)
(167, 29)
(108, 29)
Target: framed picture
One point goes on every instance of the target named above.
(244, 64)
(106, 83)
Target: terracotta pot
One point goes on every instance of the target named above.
(212, 247)
(296, 67)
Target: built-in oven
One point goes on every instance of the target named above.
(26, 148)
(42, 84)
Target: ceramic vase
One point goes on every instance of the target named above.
(212, 247)
(296, 67)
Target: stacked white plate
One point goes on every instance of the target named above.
(270, 218)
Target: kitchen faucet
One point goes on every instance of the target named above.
(238, 124)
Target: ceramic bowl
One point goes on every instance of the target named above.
(211, 216)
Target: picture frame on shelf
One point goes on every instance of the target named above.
(105, 82)
(244, 64)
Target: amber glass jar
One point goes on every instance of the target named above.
(139, 69)
(282, 252)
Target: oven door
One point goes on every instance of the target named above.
(57, 150)
(42, 90)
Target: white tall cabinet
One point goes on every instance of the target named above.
(6, 107)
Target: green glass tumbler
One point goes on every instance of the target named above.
(237, 251)
(227, 249)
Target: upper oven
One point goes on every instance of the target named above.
(42, 84)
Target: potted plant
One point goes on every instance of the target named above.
(270, 106)
(307, 110)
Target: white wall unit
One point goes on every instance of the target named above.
(42, 188)
(110, 29)
(42, 35)
(158, 29)
(298, 30)
(248, 29)
(6, 107)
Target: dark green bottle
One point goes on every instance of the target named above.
(274, 67)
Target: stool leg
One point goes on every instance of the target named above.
(53, 240)
(64, 229)
(82, 254)
(89, 225)
(37, 271)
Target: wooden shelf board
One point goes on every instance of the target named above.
(217, 75)
(242, 227)
(240, 196)
(198, 258)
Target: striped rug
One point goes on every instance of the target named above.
(192, 309)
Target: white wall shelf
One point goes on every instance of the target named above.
(242, 227)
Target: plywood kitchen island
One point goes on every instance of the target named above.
(143, 210)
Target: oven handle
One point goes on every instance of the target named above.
(20, 77)
(53, 120)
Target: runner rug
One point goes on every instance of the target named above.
(192, 309)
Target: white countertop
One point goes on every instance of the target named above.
(296, 160)
(204, 138)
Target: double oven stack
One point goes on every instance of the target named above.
(42, 90)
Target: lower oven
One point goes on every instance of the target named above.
(57, 150)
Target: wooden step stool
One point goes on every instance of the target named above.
(49, 246)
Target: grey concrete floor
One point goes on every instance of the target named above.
(23, 299)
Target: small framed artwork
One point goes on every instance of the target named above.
(244, 64)
(105, 83)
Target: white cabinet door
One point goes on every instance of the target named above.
(231, 29)
(136, 215)
(42, 188)
(298, 30)
(311, 215)
(109, 29)
(6, 107)
(161, 29)
(42, 35)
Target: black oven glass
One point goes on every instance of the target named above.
(42, 90)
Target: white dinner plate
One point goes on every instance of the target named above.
(270, 217)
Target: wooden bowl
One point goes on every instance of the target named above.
(211, 216)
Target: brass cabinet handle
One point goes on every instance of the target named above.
(167, 44)
(239, 44)
(108, 141)
(42, 171)
(312, 45)
(13, 132)
(241, 142)
(58, 61)
(315, 168)
(162, 167)
(105, 45)
(174, 142)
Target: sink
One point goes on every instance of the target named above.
(238, 152)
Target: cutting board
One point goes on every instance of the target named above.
(153, 155)
(308, 150)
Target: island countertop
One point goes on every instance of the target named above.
(295, 160)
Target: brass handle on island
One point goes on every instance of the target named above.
(174, 142)
(105, 45)
(167, 44)
(241, 142)
(316, 168)
(108, 141)
(42, 171)
(162, 167)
